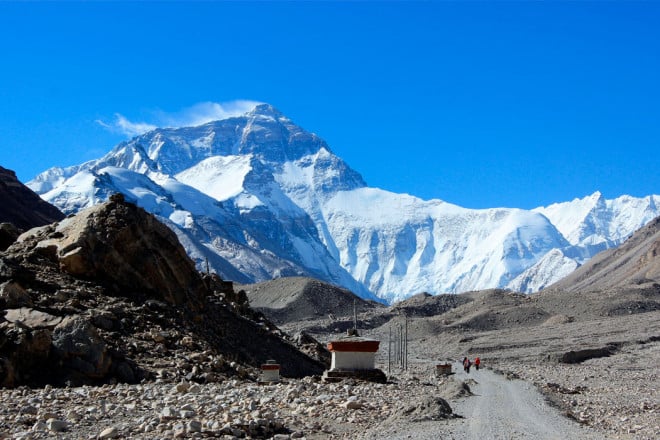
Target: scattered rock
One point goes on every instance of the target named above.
(111, 432)
(56, 425)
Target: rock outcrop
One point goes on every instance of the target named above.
(122, 246)
(110, 295)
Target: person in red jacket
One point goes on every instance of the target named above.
(477, 362)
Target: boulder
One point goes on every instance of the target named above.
(78, 345)
(130, 251)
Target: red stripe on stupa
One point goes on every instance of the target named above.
(355, 346)
(270, 367)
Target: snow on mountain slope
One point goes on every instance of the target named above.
(596, 224)
(256, 230)
(219, 177)
(399, 245)
(551, 267)
(260, 198)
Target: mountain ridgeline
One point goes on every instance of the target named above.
(260, 198)
(21, 206)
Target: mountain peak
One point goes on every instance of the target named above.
(265, 110)
(596, 196)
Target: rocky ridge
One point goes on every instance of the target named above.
(21, 209)
(298, 298)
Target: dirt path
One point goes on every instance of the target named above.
(498, 409)
(511, 409)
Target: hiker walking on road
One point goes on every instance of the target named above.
(477, 362)
(466, 364)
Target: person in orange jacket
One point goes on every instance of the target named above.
(477, 362)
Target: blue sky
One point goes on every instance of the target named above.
(480, 104)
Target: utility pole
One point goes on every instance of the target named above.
(389, 352)
(405, 365)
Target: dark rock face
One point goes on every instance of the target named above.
(20, 206)
(110, 295)
(77, 343)
(8, 234)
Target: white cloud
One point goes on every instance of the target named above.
(132, 128)
(197, 114)
(204, 112)
(122, 125)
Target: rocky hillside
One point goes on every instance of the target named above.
(110, 295)
(636, 262)
(21, 206)
(298, 298)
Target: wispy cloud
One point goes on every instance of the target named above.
(198, 114)
(204, 112)
(124, 126)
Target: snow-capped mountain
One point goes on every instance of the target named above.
(599, 224)
(260, 198)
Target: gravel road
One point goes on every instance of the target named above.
(498, 409)
(511, 409)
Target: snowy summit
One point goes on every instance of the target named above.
(260, 198)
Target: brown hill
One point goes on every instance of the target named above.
(286, 300)
(20, 206)
(110, 295)
(635, 263)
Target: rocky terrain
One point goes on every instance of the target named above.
(601, 397)
(110, 295)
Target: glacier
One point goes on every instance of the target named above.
(258, 197)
